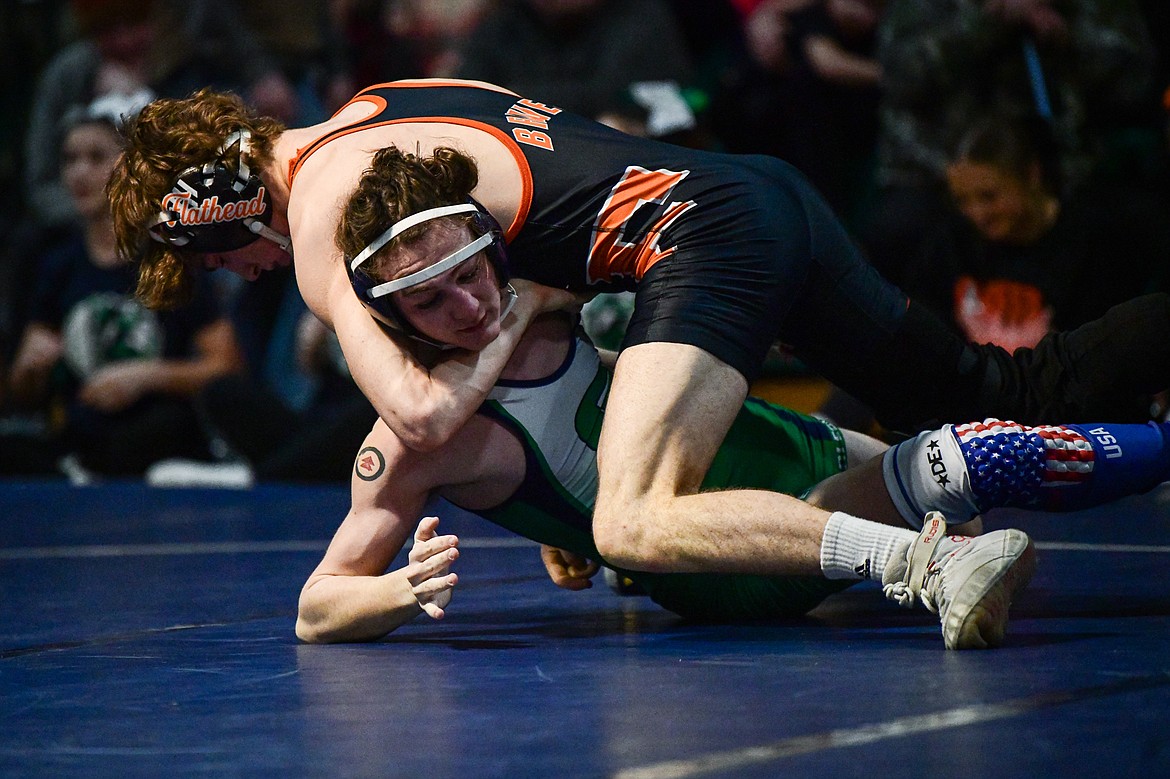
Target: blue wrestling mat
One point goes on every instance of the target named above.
(149, 633)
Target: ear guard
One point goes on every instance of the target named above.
(376, 295)
(211, 209)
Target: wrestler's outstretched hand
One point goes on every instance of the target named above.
(568, 570)
(429, 569)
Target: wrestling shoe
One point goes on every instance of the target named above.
(969, 581)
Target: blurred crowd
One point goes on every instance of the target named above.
(1007, 162)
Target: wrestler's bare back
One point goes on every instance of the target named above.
(329, 176)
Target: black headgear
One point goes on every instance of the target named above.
(375, 295)
(212, 209)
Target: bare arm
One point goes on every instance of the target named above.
(119, 384)
(350, 596)
(344, 607)
(40, 348)
(835, 64)
(425, 406)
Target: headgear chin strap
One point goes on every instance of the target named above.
(211, 209)
(375, 295)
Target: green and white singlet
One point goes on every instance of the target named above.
(558, 420)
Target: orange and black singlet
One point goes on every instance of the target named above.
(595, 199)
(728, 253)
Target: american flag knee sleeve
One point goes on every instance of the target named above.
(1012, 465)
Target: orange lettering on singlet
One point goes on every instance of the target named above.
(533, 138)
(538, 106)
(518, 115)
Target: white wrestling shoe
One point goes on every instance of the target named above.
(968, 581)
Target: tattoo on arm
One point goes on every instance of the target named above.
(370, 464)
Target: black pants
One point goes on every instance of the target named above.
(860, 332)
(127, 442)
(282, 444)
(921, 374)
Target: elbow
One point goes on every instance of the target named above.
(323, 620)
(315, 630)
(313, 623)
(422, 426)
(429, 443)
(426, 435)
(312, 627)
(308, 632)
(318, 632)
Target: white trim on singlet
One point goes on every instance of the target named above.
(547, 410)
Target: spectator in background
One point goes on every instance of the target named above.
(839, 39)
(713, 31)
(399, 39)
(1025, 254)
(111, 381)
(305, 41)
(765, 102)
(111, 55)
(1084, 64)
(805, 89)
(30, 33)
(171, 47)
(168, 46)
(623, 62)
(274, 440)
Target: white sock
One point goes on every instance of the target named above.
(855, 548)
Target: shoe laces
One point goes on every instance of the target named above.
(900, 593)
(906, 595)
(923, 569)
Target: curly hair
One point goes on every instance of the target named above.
(165, 138)
(396, 185)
